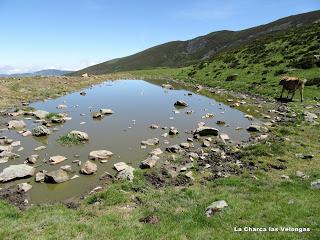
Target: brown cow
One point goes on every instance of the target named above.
(291, 84)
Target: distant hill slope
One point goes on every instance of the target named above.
(184, 53)
(44, 72)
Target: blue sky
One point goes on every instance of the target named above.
(72, 34)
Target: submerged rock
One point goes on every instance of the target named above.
(100, 154)
(150, 142)
(173, 131)
(24, 187)
(40, 131)
(15, 172)
(88, 168)
(57, 176)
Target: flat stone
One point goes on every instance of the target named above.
(150, 162)
(24, 187)
(15, 172)
(150, 142)
(120, 166)
(100, 154)
(56, 159)
(40, 148)
(88, 168)
(40, 114)
(215, 207)
(156, 152)
(206, 131)
(57, 176)
(106, 111)
(16, 124)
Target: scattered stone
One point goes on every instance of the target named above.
(15, 172)
(181, 103)
(185, 145)
(190, 175)
(16, 124)
(173, 149)
(24, 187)
(310, 117)
(126, 174)
(156, 152)
(40, 114)
(26, 133)
(193, 155)
(83, 93)
(32, 159)
(206, 143)
(120, 166)
(88, 168)
(224, 137)
(154, 126)
(300, 174)
(173, 131)
(315, 184)
(106, 111)
(215, 207)
(150, 142)
(208, 115)
(285, 177)
(40, 131)
(56, 159)
(250, 117)
(96, 115)
(16, 144)
(254, 128)
(40, 176)
(61, 106)
(106, 177)
(150, 219)
(206, 131)
(74, 177)
(150, 162)
(167, 86)
(40, 148)
(66, 168)
(100, 154)
(81, 136)
(57, 176)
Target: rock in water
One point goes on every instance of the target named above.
(167, 86)
(24, 187)
(126, 174)
(106, 111)
(254, 128)
(215, 207)
(33, 158)
(57, 176)
(88, 168)
(150, 162)
(82, 136)
(206, 131)
(96, 115)
(56, 159)
(120, 166)
(40, 131)
(16, 171)
(40, 114)
(15, 124)
(181, 103)
(150, 142)
(100, 154)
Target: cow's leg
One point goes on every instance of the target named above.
(293, 95)
(282, 92)
(301, 94)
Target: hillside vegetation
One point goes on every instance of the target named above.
(184, 53)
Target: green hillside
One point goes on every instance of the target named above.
(184, 53)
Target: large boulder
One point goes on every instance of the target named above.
(57, 176)
(40, 114)
(16, 124)
(100, 154)
(82, 136)
(88, 168)
(56, 159)
(206, 131)
(40, 131)
(16, 171)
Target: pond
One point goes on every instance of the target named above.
(137, 104)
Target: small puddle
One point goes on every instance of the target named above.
(137, 104)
